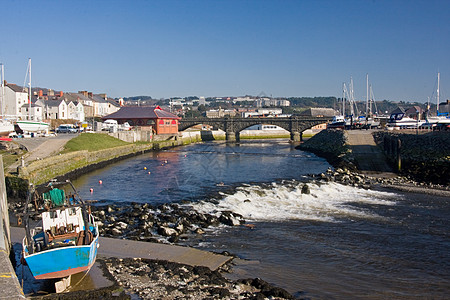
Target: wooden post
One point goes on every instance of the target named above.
(399, 156)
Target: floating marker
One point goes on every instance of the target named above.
(100, 182)
(149, 172)
(91, 190)
(145, 168)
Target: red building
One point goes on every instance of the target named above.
(146, 117)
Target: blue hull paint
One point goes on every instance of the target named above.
(62, 262)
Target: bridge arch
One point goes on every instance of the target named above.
(233, 126)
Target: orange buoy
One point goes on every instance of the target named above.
(91, 190)
(100, 182)
(145, 168)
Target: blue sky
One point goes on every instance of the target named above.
(229, 48)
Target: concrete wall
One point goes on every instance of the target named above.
(5, 236)
(41, 171)
(9, 284)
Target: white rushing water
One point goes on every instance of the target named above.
(326, 202)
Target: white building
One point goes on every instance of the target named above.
(101, 106)
(76, 111)
(36, 113)
(56, 109)
(113, 105)
(15, 97)
(272, 102)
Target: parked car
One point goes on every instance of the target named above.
(66, 128)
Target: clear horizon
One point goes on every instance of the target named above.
(167, 49)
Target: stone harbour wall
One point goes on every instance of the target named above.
(331, 145)
(423, 157)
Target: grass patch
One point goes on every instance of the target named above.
(92, 142)
(9, 158)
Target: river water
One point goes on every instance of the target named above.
(338, 242)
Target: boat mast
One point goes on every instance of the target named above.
(3, 90)
(367, 95)
(343, 99)
(29, 90)
(437, 103)
(352, 100)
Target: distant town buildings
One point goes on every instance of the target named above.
(46, 104)
(220, 113)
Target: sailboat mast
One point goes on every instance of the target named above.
(3, 90)
(343, 99)
(437, 103)
(352, 99)
(29, 90)
(367, 96)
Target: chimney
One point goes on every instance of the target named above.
(84, 93)
(89, 94)
(61, 93)
(41, 93)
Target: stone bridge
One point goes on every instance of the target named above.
(233, 126)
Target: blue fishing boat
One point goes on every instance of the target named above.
(65, 241)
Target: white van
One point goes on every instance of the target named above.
(110, 125)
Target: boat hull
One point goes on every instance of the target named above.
(31, 126)
(62, 262)
(6, 128)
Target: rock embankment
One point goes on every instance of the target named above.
(423, 157)
(331, 145)
(163, 223)
(151, 279)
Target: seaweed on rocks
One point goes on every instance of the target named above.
(152, 279)
(163, 223)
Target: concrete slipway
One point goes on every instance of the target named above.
(110, 247)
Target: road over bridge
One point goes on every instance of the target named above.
(233, 126)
